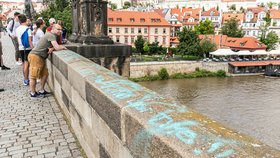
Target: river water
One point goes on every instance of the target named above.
(250, 105)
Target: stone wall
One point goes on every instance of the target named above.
(116, 118)
(152, 68)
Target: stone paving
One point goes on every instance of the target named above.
(30, 127)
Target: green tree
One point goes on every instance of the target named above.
(217, 8)
(278, 5)
(154, 48)
(113, 6)
(126, 5)
(146, 48)
(267, 20)
(271, 40)
(139, 44)
(62, 4)
(232, 7)
(189, 42)
(203, 9)
(270, 4)
(231, 29)
(206, 46)
(205, 27)
(53, 11)
(262, 5)
(242, 9)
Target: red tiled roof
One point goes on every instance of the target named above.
(250, 43)
(275, 14)
(255, 63)
(219, 40)
(134, 18)
(186, 13)
(208, 12)
(238, 16)
(256, 10)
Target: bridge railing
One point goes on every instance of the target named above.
(114, 117)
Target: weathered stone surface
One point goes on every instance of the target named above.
(106, 108)
(103, 152)
(65, 99)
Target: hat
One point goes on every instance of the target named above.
(52, 21)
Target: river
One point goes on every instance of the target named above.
(250, 105)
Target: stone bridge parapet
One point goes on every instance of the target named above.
(116, 118)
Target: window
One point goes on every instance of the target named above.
(110, 19)
(164, 31)
(156, 39)
(145, 30)
(132, 39)
(163, 40)
(125, 30)
(142, 20)
(132, 20)
(132, 30)
(119, 19)
(125, 40)
(139, 30)
(156, 30)
(117, 30)
(118, 39)
(110, 30)
(254, 33)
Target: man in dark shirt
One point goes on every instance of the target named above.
(37, 59)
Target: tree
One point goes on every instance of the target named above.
(242, 9)
(278, 5)
(126, 5)
(262, 5)
(203, 9)
(231, 29)
(205, 27)
(154, 48)
(206, 46)
(113, 6)
(267, 20)
(62, 4)
(232, 7)
(189, 42)
(217, 8)
(52, 11)
(146, 47)
(270, 4)
(271, 40)
(139, 44)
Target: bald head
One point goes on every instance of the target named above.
(56, 29)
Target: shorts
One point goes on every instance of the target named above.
(24, 54)
(37, 67)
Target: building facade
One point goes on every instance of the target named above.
(125, 26)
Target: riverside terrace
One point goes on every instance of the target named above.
(114, 117)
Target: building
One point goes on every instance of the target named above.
(253, 20)
(212, 15)
(232, 15)
(125, 26)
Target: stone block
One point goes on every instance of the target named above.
(107, 109)
(102, 151)
(58, 75)
(65, 99)
(66, 87)
(82, 107)
(78, 71)
(57, 90)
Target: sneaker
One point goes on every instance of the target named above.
(5, 68)
(45, 93)
(25, 82)
(34, 95)
(18, 63)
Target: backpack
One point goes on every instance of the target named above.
(11, 29)
(24, 39)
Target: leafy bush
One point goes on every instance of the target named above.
(163, 74)
(221, 73)
(191, 57)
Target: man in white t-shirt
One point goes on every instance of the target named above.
(11, 29)
(24, 51)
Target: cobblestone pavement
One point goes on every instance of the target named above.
(30, 127)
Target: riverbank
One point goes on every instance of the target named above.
(140, 70)
(163, 75)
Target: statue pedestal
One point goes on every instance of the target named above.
(115, 57)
